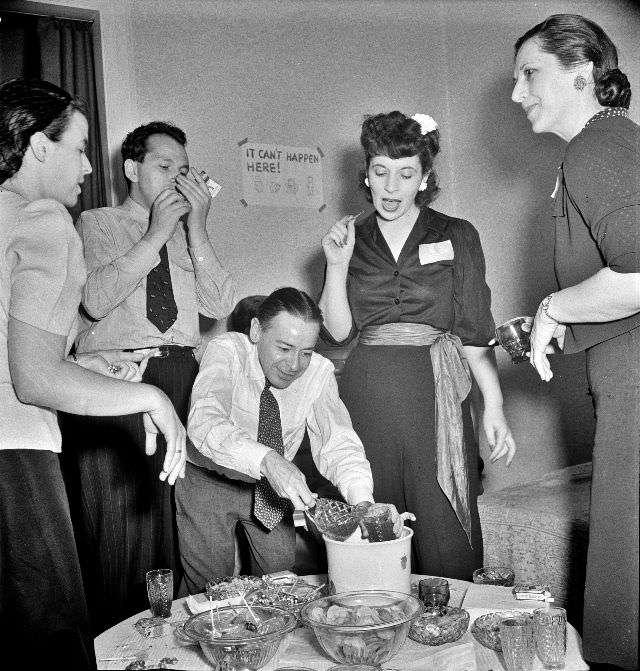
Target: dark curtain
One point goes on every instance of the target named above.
(60, 51)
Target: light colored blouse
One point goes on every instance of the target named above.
(42, 273)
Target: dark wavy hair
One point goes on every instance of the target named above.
(575, 41)
(135, 144)
(245, 310)
(398, 136)
(291, 300)
(29, 106)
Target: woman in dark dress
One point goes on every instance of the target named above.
(568, 82)
(410, 281)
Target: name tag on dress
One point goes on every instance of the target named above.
(435, 251)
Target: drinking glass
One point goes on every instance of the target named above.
(550, 629)
(518, 647)
(378, 523)
(434, 592)
(160, 591)
(514, 339)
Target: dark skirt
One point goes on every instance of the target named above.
(44, 622)
(389, 392)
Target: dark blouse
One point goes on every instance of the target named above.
(597, 216)
(424, 286)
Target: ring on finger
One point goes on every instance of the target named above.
(113, 369)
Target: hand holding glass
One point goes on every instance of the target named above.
(514, 339)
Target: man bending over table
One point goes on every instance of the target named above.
(251, 402)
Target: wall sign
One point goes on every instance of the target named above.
(281, 176)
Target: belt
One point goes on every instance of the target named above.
(452, 385)
(164, 350)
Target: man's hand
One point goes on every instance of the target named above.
(120, 365)
(398, 519)
(166, 211)
(194, 189)
(287, 480)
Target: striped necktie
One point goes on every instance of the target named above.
(268, 507)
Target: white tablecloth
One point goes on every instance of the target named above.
(122, 644)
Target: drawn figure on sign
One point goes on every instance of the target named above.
(310, 187)
(258, 185)
(292, 187)
(274, 187)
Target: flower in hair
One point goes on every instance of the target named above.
(427, 123)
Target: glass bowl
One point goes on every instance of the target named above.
(440, 625)
(502, 576)
(239, 641)
(486, 628)
(365, 627)
(289, 595)
(232, 587)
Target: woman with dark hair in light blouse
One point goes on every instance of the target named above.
(43, 614)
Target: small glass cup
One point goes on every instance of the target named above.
(550, 631)
(518, 647)
(160, 591)
(434, 593)
(502, 576)
(514, 339)
(378, 523)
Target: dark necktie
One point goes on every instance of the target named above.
(161, 305)
(268, 507)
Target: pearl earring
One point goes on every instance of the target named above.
(366, 182)
(579, 83)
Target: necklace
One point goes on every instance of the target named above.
(608, 112)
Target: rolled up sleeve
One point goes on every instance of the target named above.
(335, 446)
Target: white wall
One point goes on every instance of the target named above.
(304, 72)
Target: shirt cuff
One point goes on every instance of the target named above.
(252, 456)
(357, 493)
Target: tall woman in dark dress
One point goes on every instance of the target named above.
(568, 82)
(410, 281)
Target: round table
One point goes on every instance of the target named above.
(122, 644)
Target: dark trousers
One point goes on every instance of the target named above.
(211, 509)
(124, 516)
(610, 629)
(390, 394)
(43, 614)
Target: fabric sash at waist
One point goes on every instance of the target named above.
(452, 385)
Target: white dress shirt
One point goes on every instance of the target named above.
(223, 421)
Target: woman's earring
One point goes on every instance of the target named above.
(579, 83)
(366, 182)
(423, 186)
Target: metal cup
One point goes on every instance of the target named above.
(518, 647)
(160, 591)
(514, 339)
(550, 630)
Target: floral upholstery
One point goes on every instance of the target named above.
(541, 529)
